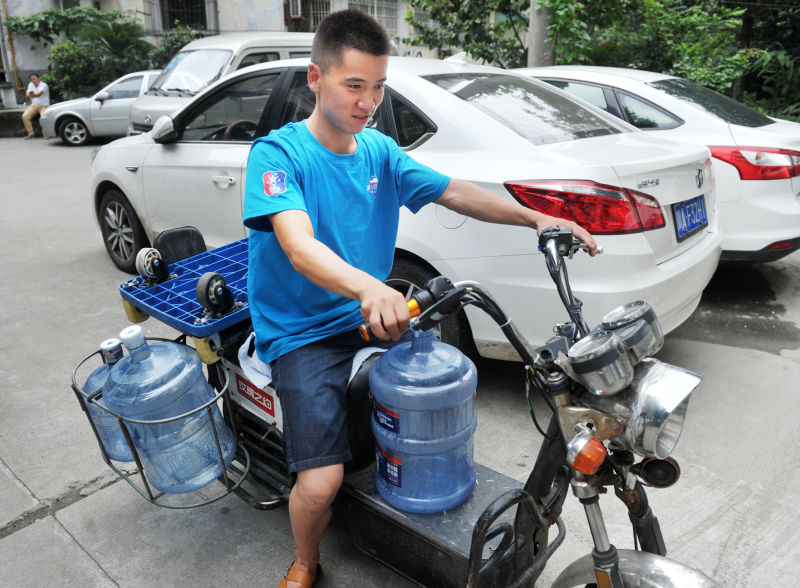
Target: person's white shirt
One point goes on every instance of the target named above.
(44, 99)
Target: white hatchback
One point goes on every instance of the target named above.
(520, 138)
(756, 158)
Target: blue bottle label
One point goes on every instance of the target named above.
(389, 468)
(386, 418)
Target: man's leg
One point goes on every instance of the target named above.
(310, 511)
(27, 117)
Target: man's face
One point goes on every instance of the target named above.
(35, 79)
(348, 93)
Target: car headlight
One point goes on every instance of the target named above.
(653, 407)
(94, 153)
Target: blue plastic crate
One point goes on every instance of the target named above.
(174, 301)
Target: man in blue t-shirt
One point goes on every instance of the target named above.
(322, 203)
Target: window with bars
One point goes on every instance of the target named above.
(191, 13)
(384, 11)
(312, 13)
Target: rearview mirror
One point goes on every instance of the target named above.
(102, 95)
(164, 130)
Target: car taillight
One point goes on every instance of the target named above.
(758, 163)
(598, 208)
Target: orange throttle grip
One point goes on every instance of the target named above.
(366, 332)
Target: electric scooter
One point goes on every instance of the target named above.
(615, 417)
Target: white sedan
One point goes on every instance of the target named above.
(520, 138)
(756, 158)
(104, 114)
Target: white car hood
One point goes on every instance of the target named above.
(783, 133)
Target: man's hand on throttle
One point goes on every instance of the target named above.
(386, 311)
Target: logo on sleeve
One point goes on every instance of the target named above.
(274, 183)
(372, 186)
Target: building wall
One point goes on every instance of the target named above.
(222, 16)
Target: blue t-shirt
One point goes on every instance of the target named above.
(353, 202)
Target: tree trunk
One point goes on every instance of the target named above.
(540, 50)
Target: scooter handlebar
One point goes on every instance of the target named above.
(366, 331)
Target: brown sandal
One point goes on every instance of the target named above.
(306, 579)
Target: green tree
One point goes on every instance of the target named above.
(169, 44)
(48, 25)
(490, 30)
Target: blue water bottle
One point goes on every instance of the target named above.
(105, 423)
(424, 422)
(164, 380)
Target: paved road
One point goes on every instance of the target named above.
(66, 520)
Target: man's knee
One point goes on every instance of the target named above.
(318, 487)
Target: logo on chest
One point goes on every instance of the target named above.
(274, 183)
(372, 186)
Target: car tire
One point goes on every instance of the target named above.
(408, 276)
(123, 234)
(73, 132)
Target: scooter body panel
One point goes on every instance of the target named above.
(431, 549)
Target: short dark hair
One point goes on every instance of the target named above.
(348, 29)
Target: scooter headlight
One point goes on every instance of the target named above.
(653, 407)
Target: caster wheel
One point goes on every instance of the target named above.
(213, 294)
(150, 266)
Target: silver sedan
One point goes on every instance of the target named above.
(105, 114)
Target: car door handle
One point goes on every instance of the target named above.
(225, 180)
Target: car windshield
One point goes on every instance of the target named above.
(727, 109)
(191, 71)
(536, 112)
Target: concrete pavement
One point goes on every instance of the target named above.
(67, 520)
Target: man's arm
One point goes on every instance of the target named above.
(383, 307)
(472, 200)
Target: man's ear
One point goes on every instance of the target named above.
(314, 74)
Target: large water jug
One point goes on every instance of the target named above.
(105, 423)
(424, 422)
(163, 380)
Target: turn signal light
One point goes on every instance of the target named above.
(759, 163)
(598, 208)
(586, 453)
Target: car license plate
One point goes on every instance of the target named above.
(690, 216)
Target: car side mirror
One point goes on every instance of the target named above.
(164, 130)
(102, 95)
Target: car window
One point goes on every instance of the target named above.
(232, 113)
(727, 109)
(644, 114)
(589, 92)
(128, 88)
(262, 57)
(191, 71)
(539, 114)
(300, 100)
(411, 125)
(298, 54)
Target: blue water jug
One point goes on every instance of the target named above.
(104, 422)
(161, 381)
(424, 422)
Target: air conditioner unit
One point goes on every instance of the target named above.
(295, 8)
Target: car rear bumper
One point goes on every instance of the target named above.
(767, 214)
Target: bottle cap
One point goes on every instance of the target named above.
(111, 350)
(132, 337)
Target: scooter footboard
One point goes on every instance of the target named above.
(638, 568)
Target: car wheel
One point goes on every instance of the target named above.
(407, 277)
(73, 132)
(123, 234)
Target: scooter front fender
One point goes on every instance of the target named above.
(638, 568)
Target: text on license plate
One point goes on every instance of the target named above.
(690, 216)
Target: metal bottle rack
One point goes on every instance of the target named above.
(146, 490)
